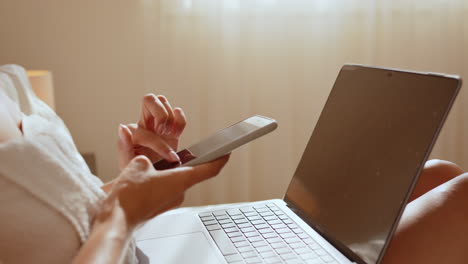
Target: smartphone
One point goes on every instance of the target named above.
(221, 142)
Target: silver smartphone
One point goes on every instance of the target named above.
(221, 142)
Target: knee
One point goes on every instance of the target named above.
(441, 169)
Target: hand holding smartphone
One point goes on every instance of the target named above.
(221, 142)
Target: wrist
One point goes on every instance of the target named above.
(113, 221)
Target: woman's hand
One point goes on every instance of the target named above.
(156, 135)
(142, 192)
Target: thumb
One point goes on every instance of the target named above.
(125, 146)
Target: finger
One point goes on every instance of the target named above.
(153, 114)
(146, 138)
(179, 121)
(185, 177)
(125, 146)
(170, 115)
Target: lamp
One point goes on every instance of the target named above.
(41, 82)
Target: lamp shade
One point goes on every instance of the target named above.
(41, 82)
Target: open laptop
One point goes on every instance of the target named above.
(345, 199)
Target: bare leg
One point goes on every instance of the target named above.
(434, 226)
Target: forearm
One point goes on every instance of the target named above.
(108, 240)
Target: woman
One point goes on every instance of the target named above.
(97, 227)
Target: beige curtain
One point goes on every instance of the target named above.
(225, 60)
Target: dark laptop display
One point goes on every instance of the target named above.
(368, 147)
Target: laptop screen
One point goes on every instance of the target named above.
(369, 144)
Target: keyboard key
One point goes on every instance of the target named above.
(254, 218)
(205, 214)
(219, 213)
(231, 229)
(292, 226)
(237, 239)
(265, 230)
(287, 256)
(282, 230)
(251, 234)
(234, 217)
(247, 209)
(279, 226)
(240, 221)
(302, 235)
(271, 217)
(213, 227)
(274, 240)
(224, 244)
(235, 211)
(251, 214)
(274, 222)
(269, 235)
(290, 240)
(271, 205)
(210, 222)
(297, 230)
(278, 245)
(268, 254)
(225, 221)
(228, 225)
(234, 234)
(253, 260)
(282, 250)
(259, 243)
(297, 245)
(244, 225)
(249, 254)
(207, 218)
(233, 258)
(258, 222)
(283, 217)
(287, 221)
(241, 244)
(221, 217)
(267, 213)
(273, 260)
(245, 249)
(287, 235)
(260, 226)
(255, 238)
(263, 249)
(248, 229)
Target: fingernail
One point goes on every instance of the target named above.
(174, 156)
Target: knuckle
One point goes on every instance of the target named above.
(141, 162)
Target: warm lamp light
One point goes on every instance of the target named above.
(41, 82)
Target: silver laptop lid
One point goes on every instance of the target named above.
(365, 154)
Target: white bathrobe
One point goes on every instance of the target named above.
(48, 196)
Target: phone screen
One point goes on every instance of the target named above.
(221, 142)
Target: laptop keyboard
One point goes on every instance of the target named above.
(262, 234)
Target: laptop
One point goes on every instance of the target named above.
(348, 192)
